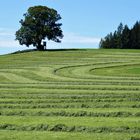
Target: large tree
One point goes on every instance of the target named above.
(40, 23)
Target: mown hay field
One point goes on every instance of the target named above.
(70, 95)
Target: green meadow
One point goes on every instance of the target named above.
(84, 94)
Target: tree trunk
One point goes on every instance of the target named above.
(39, 46)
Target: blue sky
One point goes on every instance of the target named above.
(85, 22)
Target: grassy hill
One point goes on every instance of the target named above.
(70, 95)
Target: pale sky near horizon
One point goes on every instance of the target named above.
(85, 22)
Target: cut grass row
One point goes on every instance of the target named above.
(131, 122)
(68, 105)
(72, 87)
(41, 135)
(70, 113)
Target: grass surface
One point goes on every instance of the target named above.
(74, 94)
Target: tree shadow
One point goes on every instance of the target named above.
(47, 50)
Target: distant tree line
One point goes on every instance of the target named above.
(123, 38)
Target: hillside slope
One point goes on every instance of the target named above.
(80, 94)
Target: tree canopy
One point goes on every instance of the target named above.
(123, 38)
(40, 23)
